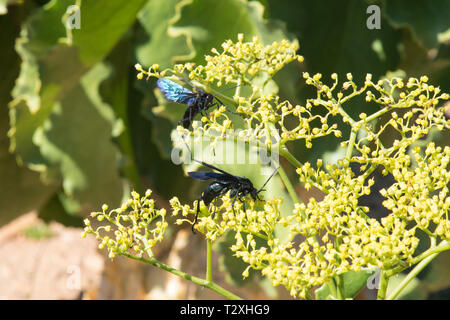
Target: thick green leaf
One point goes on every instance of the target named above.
(115, 90)
(426, 18)
(75, 141)
(334, 37)
(55, 210)
(20, 188)
(51, 68)
(35, 90)
(48, 90)
(156, 45)
(103, 22)
(223, 21)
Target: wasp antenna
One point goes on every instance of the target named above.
(225, 90)
(189, 149)
(201, 162)
(221, 103)
(273, 173)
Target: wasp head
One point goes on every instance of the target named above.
(248, 188)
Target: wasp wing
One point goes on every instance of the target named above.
(214, 168)
(205, 175)
(175, 92)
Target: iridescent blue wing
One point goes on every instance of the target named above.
(175, 92)
(205, 175)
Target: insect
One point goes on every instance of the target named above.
(224, 182)
(198, 101)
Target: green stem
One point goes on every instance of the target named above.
(443, 246)
(289, 157)
(237, 93)
(351, 144)
(377, 114)
(332, 285)
(308, 295)
(414, 272)
(339, 278)
(343, 112)
(208, 261)
(425, 258)
(384, 280)
(288, 185)
(202, 282)
(339, 287)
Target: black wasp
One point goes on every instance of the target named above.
(223, 182)
(198, 101)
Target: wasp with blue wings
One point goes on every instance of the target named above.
(198, 101)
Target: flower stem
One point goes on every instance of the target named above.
(340, 287)
(339, 278)
(332, 285)
(289, 157)
(288, 185)
(202, 282)
(414, 272)
(351, 143)
(384, 280)
(443, 246)
(208, 261)
(428, 255)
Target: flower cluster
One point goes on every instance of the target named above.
(250, 65)
(339, 236)
(239, 63)
(136, 225)
(332, 236)
(421, 194)
(221, 217)
(413, 110)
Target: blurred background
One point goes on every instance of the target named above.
(78, 130)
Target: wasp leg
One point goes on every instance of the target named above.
(243, 204)
(232, 204)
(196, 216)
(215, 208)
(203, 112)
(188, 118)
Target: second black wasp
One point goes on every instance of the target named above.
(223, 182)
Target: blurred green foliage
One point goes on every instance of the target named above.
(77, 129)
